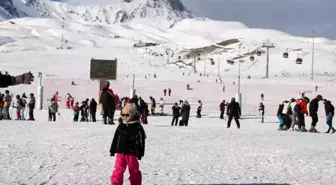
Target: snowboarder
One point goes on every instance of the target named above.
(169, 92)
(165, 92)
(199, 109)
(330, 112)
(52, 109)
(262, 111)
(31, 107)
(233, 111)
(129, 146)
(185, 114)
(176, 114)
(222, 109)
(76, 110)
(313, 109)
(153, 105)
(262, 97)
(108, 103)
(93, 109)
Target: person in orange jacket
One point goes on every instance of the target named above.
(303, 105)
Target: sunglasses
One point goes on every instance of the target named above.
(125, 115)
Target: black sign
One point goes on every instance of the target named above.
(103, 69)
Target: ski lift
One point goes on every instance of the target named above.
(212, 61)
(230, 62)
(259, 53)
(199, 59)
(252, 58)
(285, 54)
(299, 60)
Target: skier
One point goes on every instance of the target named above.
(262, 97)
(31, 107)
(330, 112)
(76, 110)
(262, 111)
(153, 105)
(165, 92)
(161, 106)
(93, 109)
(53, 109)
(222, 109)
(313, 109)
(233, 111)
(185, 114)
(176, 114)
(7, 104)
(169, 92)
(199, 109)
(129, 146)
(23, 106)
(108, 103)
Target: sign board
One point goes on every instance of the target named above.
(103, 69)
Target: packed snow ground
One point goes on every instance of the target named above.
(204, 153)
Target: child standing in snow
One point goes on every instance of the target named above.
(129, 146)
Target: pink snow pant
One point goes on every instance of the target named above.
(131, 161)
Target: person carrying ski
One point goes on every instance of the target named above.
(53, 109)
(76, 110)
(313, 109)
(233, 111)
(129, 146)
(31, 107)
(176, 114)
(222, 109)
(330, 112)
(199, 109)
(185, 113)
(262, 111)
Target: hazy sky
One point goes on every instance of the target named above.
(297, 17)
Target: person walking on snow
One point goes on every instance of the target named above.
(23, 106)
(129, 146)
(330, 112)
(313, 109)
(262, 111)
(176, 114)
(262, 97)
(108, 102)
(68, 98)
(18, 107)
(76, 110)
(294, 114)
(285, 116)
(93, 109)
(185, 113)
(165, 92)
(169, 92)
(153, 105)
(233, 111)
(199, 109)
(222, 109)
(280, 116)
(31, 107)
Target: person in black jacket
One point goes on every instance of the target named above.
(31, 107)
(262, 111)
(93, 109)
(176, 114)
(129, 146)
(330, 112)
(107, 100)
(281, 116)
(313, 109)
(233, 111)
(185, 113)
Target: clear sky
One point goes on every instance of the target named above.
(297, 17)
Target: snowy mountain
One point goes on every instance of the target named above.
(155, 12)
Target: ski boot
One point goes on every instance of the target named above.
(312, 129)
(303, 129)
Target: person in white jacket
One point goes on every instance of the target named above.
(294, 116)
(161, 106)
(286, 115)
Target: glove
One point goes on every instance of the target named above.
(139, 158)
(112, 154)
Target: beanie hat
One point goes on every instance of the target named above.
(129, 112)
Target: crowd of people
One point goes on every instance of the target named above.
(291, 114)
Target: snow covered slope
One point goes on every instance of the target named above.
(154, 12)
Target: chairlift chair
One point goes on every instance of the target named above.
(285, 54)
(212, 62)
(259, 53)
(252, 58)
(299, 61)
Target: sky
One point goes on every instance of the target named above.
(297, 17)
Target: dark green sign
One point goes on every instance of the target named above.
(103, 69)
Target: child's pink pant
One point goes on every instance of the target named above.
(123, 161)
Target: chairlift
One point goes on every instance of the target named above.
(252, 58)
(199, 59)
(230, 62)
(212, 61)
(259, 53)
(299, 61)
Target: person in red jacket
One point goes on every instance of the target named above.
(222, 109)
(303, 106)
